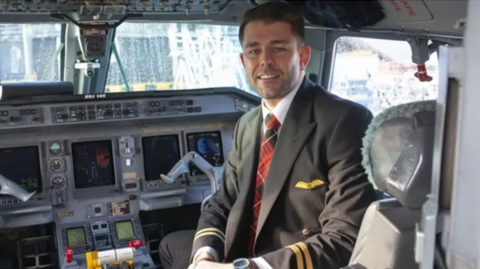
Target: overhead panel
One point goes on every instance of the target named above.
(113, 7)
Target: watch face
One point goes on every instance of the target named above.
(241, 263)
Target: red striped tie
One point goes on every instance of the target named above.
(266, 152)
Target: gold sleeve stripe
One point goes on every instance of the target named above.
(296, 250)
(210, 231)
(306, 253)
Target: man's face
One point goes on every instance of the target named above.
(273, 58)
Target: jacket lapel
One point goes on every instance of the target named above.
(293, 135)
(237, 235)
(252, 140)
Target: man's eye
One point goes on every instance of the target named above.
(254, 52)
(279, 49)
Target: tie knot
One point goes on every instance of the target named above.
(271, 122)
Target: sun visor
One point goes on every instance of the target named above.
(340, 14)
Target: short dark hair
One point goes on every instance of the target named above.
(271, 12)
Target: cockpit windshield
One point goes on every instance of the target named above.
(29, 52)
(147, 56)
(162, 56)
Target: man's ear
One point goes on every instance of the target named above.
(242, 58)
(305, 53)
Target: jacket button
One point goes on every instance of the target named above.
(307, 232)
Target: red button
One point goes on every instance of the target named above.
(69, 254)
(136, 243)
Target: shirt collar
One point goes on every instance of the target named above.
(280, 111)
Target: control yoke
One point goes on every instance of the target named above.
(181, 167)
(9, 187)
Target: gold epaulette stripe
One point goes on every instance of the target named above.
(306, 252)
(210, 231)
(296, 250)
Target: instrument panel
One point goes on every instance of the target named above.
(97, 144)
(101, 235)
(106, 111)
(93, 165)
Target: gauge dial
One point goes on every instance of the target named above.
(55, 148)
(57, 166)
(58, 183)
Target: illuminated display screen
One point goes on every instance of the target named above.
(93, 164)
(22, 166)
(124, 229)
(160, 154)
(209, 146)
(76, 237)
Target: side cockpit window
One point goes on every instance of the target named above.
(380, 73)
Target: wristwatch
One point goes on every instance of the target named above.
(241, 263)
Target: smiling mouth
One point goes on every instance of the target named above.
(267, 77)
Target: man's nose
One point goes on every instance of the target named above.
(267, 59)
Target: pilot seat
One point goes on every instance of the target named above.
(397, 156)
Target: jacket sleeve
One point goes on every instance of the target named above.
(213, 220)
(347, 198)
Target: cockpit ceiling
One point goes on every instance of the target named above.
(427, 17)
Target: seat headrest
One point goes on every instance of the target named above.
(398, 149)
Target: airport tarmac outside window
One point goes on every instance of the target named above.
(176, 56)
(28, 52)
(379, 73)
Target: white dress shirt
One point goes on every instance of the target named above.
(280, 112)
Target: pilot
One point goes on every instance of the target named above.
(294, 191)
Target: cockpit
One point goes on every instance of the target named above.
(117, 117)
(92, 165)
